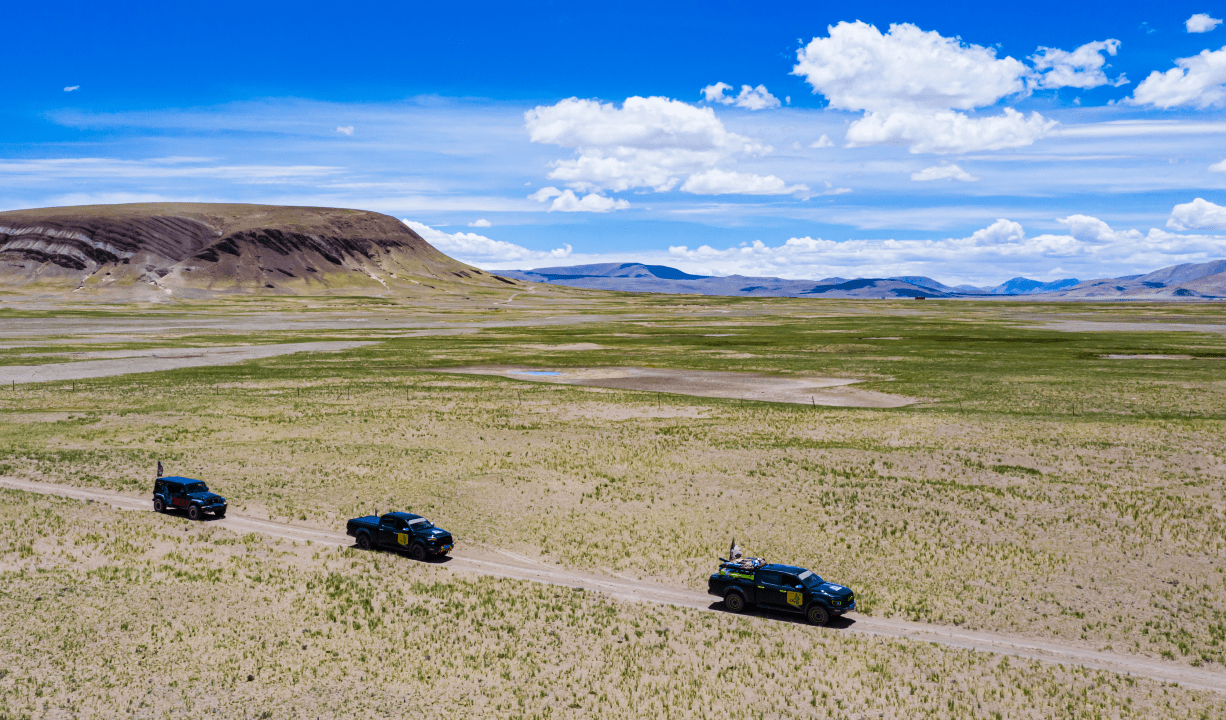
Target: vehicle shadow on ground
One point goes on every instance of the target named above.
(182, 515)
(442, 560)
(836, 623)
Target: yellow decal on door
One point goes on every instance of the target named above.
(403, 538)
(795, 598)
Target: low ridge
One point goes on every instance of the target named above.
(1201, 281)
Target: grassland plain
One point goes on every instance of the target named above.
(113, 614)
(1045, 489)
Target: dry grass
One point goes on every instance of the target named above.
(1050, 492)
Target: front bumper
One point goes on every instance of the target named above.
(841, 610)
(439, 549)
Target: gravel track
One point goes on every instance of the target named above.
(161, 359)
(501, 563)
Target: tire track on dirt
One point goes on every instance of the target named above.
(490, 561)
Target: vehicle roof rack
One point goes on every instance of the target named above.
(749, 563)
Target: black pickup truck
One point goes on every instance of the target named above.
(401, 531)
(779, 587)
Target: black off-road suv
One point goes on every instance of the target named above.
(752, 581)
(180, 493)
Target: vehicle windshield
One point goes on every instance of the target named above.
(422, 522)
(195, 487)
(810, 580)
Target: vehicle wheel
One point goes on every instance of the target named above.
(734, 602)
(818, 615)
(220, 514)
(158, 505)
(364, 541)
(193, 512)
(417, 552)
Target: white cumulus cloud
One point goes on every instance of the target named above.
(916, 87)
(1200, 214)
(345, 129)
(1201, 23)
(1219, 166)
(751, 98)
(715, 93)
(1081, 68)
(71, 88)
(567, 201)
(592, 202)
(758, 98)
(650, 142)
(859, 68)
(943, 172)
(822, 142)
(726, 182)
(1198, 81)
(949, 131)
(481, 223)
(480, 250)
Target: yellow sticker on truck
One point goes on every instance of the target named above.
(403, 538)
(796, 599)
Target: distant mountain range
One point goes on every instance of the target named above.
(1178, 282)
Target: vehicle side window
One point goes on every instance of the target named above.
(174, 489)
(394, 523)
(791, 581)
(766, 577)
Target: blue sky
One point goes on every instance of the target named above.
(798, 140)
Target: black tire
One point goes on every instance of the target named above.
(734, 602)
(417, 552)
(158, 505)
(193, 512)
(364, 541)
(220, 514)
(817, 614)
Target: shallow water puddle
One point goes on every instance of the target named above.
(743, 386)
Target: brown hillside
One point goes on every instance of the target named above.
(198, 249)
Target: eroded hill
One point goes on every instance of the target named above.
(199, 249)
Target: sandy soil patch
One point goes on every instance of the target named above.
(35, 417)
(572, 347)
(1146, 357)
(703, 383)
(143, 361)
(605, 411)
(1099, 326)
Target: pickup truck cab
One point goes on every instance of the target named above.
(779, 587)
(180, 493)
(401, 531)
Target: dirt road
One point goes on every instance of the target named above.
(161, 359)
(510, 565)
